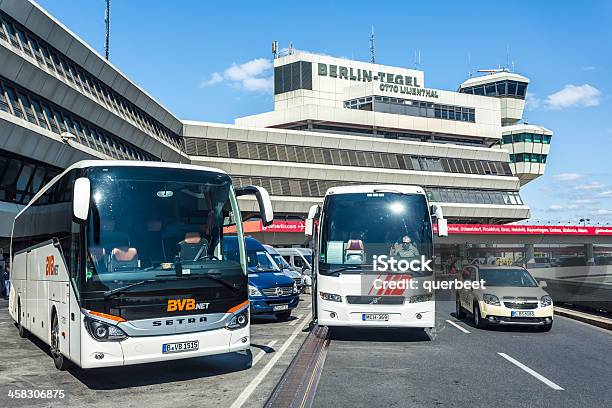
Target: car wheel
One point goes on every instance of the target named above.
(283, 316)
(459, 313)
(478, 321)
(23, 333)
(61, 363)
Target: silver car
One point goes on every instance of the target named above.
(511, 296)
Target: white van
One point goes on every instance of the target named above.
(300, 259)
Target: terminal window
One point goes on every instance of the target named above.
(290, 77)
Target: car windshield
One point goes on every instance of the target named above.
(507, 277)
(147, 223)
(262, 261)
(360, 226)
(280, 261)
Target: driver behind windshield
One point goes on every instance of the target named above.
(404, 249)
(193, 247)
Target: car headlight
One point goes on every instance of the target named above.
(253, 291)
(421, 298)
(491, 299)
(101, 331)
(332, 297)
(295, 288)
(238, 321)
(546, 301)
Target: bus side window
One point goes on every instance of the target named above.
(288, 259)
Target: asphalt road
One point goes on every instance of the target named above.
(403, 368)
(216, 381)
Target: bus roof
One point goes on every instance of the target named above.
(137, 163)
(373, 188)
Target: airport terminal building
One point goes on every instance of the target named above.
(335, 121)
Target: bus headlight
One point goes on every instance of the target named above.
(545, 301)
(238, 321)
(491, 299)
(295, 288)
(421, 298)
(332, 297)
(101, 331)
(253, 291)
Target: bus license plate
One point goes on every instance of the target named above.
(375, 316)
(180, 347)
(516, 313)
(280, 307)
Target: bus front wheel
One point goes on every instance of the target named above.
(61, 362)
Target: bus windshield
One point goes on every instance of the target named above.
(148, 223)
(357, 227)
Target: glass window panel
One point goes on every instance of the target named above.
(479, 90)
(501, 88)
(12, 95)
(490, 90)
(521, 89)
(512, 87)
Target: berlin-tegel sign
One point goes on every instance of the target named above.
(402, 84)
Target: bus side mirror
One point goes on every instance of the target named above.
(436, 210)
(312, 214)
(263, 199)
(81, 197)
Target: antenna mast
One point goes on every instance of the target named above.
(107, 22)
(372, 50)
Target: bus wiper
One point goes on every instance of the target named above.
(209, 276)
(121, 289)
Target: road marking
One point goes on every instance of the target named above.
(458, 327)
(246, 393)
(530, 371)
(297, 318)
(262, 353)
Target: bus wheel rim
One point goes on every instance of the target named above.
(55, 337)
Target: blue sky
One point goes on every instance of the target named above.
(178, 50)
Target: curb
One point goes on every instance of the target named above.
(593, 320)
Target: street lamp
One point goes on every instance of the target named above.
(584, 221)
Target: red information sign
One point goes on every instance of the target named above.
(453, 229)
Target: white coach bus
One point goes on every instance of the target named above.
(360, 229)
(119, 262)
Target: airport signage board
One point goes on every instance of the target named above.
(453, 229)
(489, 229)
(395, 83)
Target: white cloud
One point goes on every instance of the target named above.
(250, 69)
(214, 79)
(607, 193)
(532, 101)
(588, 68)
(603, 211)
(585, 201)
(568, 176)
(574, 95)
(555, 207)
(593, 185)
(254, 76)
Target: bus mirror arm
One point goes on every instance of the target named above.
(313, 213)
(81, 198)
(263, 199)
(436, 210)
